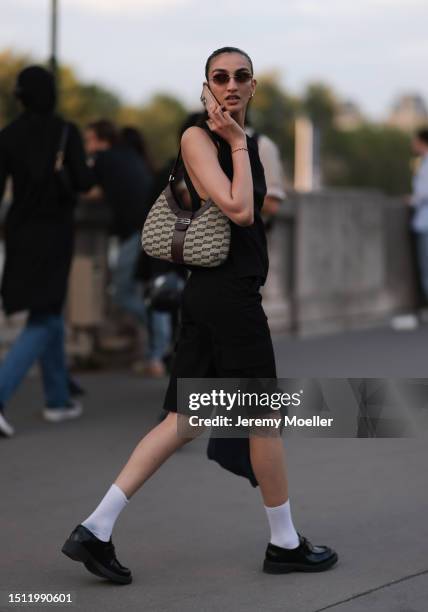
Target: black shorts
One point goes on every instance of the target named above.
(223, 333)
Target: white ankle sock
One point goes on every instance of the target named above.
(282, 530)
(102, 520)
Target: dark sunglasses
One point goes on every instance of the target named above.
(221, 78)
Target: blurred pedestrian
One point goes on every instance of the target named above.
(159, 324)
(124, 178)
(419, 201)
(158, 273)
(44, 156)
(274, 175)
(132, 138)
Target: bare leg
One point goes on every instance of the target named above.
(287, 550)
(149, 454)
(96, 550)
(268, 461)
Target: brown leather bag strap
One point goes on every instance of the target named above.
(182, 224)
(175, 166)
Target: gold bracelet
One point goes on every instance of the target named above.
(239, 149)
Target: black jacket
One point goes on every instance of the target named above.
(125, 181)
(39, 224)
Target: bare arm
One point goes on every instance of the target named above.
(270, 206)
(94, 194)
(234, 198)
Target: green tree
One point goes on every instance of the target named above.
(369, 156)
(10, 65)
(273, 112)
(84, 102)
(320, 104)
(80, 102)
(160, 121)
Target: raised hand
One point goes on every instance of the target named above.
(222, 123)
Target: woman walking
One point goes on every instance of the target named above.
(224, 331)
(39, 239)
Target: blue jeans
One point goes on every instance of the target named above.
(422, 248)
(41, 339)
(160, 333)
(127, 294)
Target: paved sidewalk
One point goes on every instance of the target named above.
(195, 535)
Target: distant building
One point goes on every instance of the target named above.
(408, 112)
(348, 116)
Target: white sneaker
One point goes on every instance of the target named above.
(56, 415)
(6, 429)
(405, 322)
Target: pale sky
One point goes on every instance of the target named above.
(369, 51)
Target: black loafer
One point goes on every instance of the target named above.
(98, 557)
(304, 558)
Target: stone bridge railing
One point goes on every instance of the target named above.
(339, 260)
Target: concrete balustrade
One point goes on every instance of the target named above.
(340, 259)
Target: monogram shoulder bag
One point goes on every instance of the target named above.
(197, 238)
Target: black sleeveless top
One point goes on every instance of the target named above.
(248, 249)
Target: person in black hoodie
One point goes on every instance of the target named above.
(39, 238)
